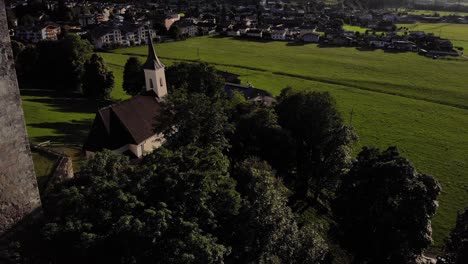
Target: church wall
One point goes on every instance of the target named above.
(136, 149)
(152, 143)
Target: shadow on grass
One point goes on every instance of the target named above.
(73, 132)
(249, 39)
(69, 103)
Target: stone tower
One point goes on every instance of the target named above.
(155, 77)
(19, 195)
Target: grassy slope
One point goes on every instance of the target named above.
(433, 135)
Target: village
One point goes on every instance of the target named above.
(234, 131)
(109, 26)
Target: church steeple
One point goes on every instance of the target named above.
(155, 77)
(152, 61)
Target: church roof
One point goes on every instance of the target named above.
(152, 62)
(128, 122)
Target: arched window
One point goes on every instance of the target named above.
(151, 83)
(160, 82)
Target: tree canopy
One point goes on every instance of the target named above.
(383, 208)
(64, 59)
(322, 142)
(456, 247)
(195, 77)
(98, 81)
(133, 77)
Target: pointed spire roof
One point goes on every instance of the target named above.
(152, 62)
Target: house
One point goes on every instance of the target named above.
(279, 33)
(250, 93)
(187, 28)
(311, 37)
(170, 19)
(124, 34)
(86, 19)
(379, 44)
(233, 33)
(127, 127)
(255, 33)
(37, 33)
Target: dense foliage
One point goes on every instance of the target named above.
(133, 76)
(98, 81)
(56, 65)
(213, 192)
(321, 140)
(383, 208)
(456, 249)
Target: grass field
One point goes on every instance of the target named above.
(441, 13)
(457, 33)
(402, 99)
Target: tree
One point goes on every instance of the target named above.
(164, 212)
(193, 118)
(65, 58)
(258, 134)
(456, 247)
(174, 32)
(25, 64)
(195, 77)
(97, 80)
(321, 139)
(383, 208)
(266, 231)
(195, 183)
(133, 76)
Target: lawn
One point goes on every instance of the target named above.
(407, 74)
(457, 33)
(63, 120)
(441, 13)
(402, 99)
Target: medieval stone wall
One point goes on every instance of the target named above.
(19, 195)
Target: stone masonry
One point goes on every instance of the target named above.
(19, 195)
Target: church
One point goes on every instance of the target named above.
(127, 127)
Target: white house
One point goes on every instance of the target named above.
(279, 33)
(36, 34)
(311, 37)
(121, 34)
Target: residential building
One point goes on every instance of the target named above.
(279, 33)
(121, 34)
(37, 33)
(311, 37)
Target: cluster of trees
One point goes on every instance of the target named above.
(225, 185)
(65, 65)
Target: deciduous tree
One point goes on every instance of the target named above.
(383, 208)
(195, 77)
(97, 80)
(133, 76)
(321, 139)
(456, 248)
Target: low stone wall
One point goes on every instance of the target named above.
(63, 168)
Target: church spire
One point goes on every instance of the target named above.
(152, 62)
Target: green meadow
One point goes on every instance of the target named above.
(402, 99)
(457, 33)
